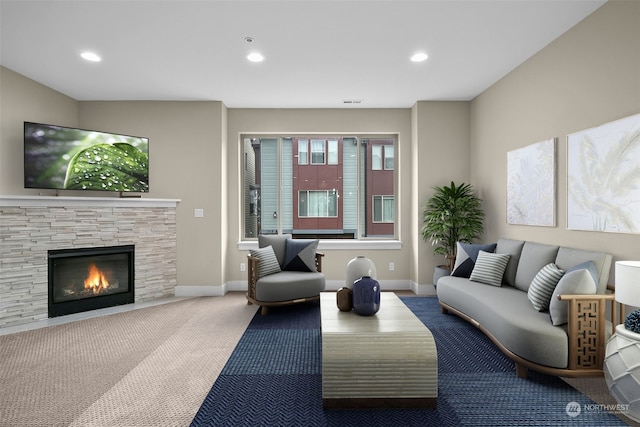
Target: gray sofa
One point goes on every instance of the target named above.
(504, 311)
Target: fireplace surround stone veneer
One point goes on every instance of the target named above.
(31, 226)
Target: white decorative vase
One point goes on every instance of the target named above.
(622, 370)
(358, 267)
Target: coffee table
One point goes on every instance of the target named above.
(388, 360)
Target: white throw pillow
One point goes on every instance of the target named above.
(581, 279)
(489, 268)
(542, 286)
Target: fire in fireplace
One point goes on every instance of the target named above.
(90, 278)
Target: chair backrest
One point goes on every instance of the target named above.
(278, 242)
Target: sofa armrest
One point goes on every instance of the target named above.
(586, 329)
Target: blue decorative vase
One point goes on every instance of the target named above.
(366, 296)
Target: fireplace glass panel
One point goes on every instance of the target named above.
(89, 276)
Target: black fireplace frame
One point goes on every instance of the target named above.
(96, 302)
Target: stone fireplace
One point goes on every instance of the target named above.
(34, 227)
(86, 279)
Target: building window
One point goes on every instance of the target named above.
(383, 209)
(382, 157)
(336, 186)
(332, 148)
(317, 151)
(303, 152)
(318, 204)
(389, 163)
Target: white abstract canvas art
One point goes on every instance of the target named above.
(603, 177)
(531, 184)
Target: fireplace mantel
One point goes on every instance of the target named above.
(93, 202)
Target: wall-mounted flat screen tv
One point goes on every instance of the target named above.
(63, 158)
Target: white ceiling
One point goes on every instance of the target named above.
(318, 52)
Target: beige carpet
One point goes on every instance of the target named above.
(147, 367)
(143, 368)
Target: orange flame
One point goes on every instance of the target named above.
(96, 280)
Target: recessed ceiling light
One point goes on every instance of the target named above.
(255, 57)
(419, 57)
(90, 56)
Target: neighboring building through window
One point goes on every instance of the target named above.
(319, 187)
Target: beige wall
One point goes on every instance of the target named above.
(440, 154)
(587, 77)
(22, 99)
(186, 161)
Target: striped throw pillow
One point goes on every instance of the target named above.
(268, 262)
(542, 286)
(489, 268)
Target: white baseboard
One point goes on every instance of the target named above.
(200, 291)
(332, 285)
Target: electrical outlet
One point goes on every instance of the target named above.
(243, 266)
(392, 266)
(198, 213)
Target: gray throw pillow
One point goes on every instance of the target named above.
(489, 268)
(581, 279)
(300, 255)
(268, 263)
(542, 286)
(277, 241)
(466, 255)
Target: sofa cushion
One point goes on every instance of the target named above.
(289, 285)
(514, 249)
(542, 286)
(533, 257)
(578, 280)
(277, 241)
(489, 268)
(268, 263)
(300, 255)
(466, 255)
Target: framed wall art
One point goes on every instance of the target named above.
(603, 177)
(531, 184)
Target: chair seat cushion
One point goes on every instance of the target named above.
(289, 285)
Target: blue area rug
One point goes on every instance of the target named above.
(273, 378)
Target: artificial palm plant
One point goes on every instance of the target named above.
(453, 214)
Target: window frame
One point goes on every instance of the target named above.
(360, 237)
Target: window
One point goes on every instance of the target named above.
(303, 152)
(382, 157)
(318, 204)
(383, 208)
(376, 157)
(388, 157)
(336, 186)
(332, 147)
(317, 151)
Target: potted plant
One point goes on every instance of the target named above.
(453, 214)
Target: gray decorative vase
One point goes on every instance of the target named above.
(440, 271)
